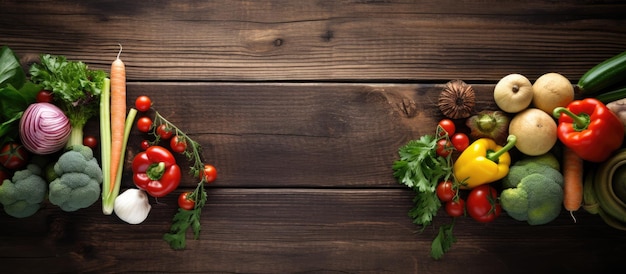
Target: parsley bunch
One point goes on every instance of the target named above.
(76, 89)
(421, 169)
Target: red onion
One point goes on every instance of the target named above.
(44, 128)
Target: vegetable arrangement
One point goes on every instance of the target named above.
(45, 155)
(468, 171)
(551, 136)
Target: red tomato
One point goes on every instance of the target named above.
(444, 147)
(144, 124)
(145, 144)
(143, 103)
(14, 156)
(460, 141)
(446, 191)
(44, 96)
(455, 208)
(164, 132)
(185, 202)
(178, 144)
(482, 203)
(90, 141)
(446, 126)
(209, 173)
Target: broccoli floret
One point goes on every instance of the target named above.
(537, 199)
(79, 177)
(23, 194)
(547, 158)
(522, 169)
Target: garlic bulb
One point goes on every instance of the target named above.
(132, 206)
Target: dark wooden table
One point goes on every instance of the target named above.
(302, 106)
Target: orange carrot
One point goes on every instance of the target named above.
(118, 115)
(572, 181)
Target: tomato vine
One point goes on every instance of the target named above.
(184, 218)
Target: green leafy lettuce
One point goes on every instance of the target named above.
(16, 94)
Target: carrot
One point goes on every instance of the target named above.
(572, 181)
(117, 124)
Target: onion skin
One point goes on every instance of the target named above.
(44, 128)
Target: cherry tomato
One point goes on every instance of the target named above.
(455, 208)
(460, 141)
(44, 96)
(14, 156)
(185, 202)
(209, 173)
(446, 191)
(164, 132)
(90, 141)
(144, 124)
(145, 144)
(178, 144)
(143, 103)
(482, 203)
(444, 147)
(446, 126)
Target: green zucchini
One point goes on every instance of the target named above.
(611, 71)
(612, 95)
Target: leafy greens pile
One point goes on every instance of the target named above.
(16, 94)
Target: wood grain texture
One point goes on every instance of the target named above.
(302, 230)
(311, 135)
(302, 106)
(321, 40)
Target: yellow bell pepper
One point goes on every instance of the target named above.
(483, 162)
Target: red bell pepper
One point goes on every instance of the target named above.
(589, 129)
(155, 171)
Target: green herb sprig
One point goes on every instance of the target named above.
(421, 169)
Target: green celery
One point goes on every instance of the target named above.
(105, 146)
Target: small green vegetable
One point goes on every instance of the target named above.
(612, 96)
(23, 194)
(79, 179)
(603, 75)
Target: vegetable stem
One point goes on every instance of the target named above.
(76, 137)
(105, 146)
(495, 155)
(581, 121)
(108, 197)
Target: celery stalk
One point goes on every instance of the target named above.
(130, 119)
(105, 145)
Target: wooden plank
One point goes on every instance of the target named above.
(302, 230)
(320, 40)
(299, 134)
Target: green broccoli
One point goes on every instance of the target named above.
(522, 169)
(537, 199)
(23, 195)
(547, 158)
(79, 177)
